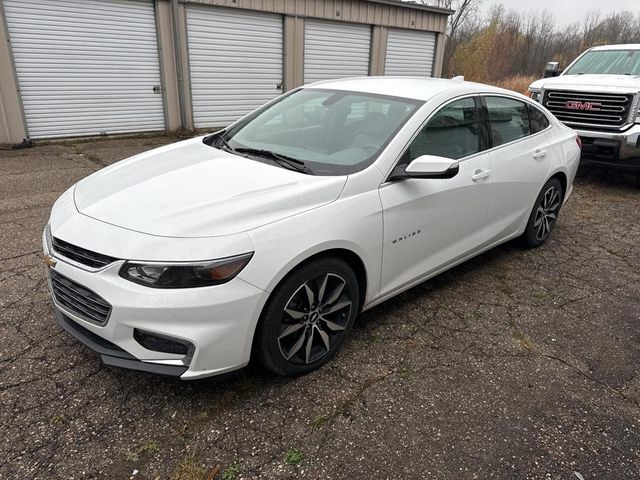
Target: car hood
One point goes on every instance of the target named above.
(590, 83)
(189, 189)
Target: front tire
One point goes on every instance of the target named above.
(544, 214)
(308, 317)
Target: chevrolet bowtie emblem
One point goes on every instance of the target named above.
(49, 261)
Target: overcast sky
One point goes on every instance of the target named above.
(567, 11)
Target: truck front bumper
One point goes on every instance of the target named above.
(619, 149)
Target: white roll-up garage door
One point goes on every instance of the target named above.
(86, 67)
(410, 52)
(235, 61)
(335, 50)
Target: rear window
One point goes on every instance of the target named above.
(538, 119)
(508, 119)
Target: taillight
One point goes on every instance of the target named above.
(579, 142)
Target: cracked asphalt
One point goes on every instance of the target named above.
(520, 364)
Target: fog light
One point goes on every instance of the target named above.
(162, 343)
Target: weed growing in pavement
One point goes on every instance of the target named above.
(293, 456)
(231, 472)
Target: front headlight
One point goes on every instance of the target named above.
(185, 275)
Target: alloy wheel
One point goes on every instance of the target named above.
(314, 318)
(547, 213)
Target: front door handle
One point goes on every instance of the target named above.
(539, 154)
(480, 174)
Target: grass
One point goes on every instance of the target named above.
(293, 456)
(318, 422)
(518, 83)
(231, 472)
(58, 419)
(189, 469)
(148, 448)
(524, 341)
(376, 338)
(132, 456)
(541, 295)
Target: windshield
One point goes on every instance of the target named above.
(611, 62)
(330, 132)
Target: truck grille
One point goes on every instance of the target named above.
(81, 255)
(601, 110)
(79, 300)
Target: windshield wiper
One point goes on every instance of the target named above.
(221, 141)
(283, 160)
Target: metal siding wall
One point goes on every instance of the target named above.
(86, 67)
(235, 60)
(335, 50)
(410, 53)
(354, 11)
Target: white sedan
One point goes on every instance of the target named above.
(266, 239)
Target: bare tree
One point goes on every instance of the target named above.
(507, 43)
(465, 13)
(464, 10)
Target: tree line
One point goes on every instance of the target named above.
(506, 43)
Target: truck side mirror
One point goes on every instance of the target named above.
(552, 70)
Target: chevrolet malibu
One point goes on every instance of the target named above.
(266, 239)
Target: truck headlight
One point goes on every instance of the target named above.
(185, 275)
(635, 107)
(535, 94)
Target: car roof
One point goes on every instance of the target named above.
(416, 88)
(628, 46)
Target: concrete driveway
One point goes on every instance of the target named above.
(520, 364)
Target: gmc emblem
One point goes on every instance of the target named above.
(578, 105)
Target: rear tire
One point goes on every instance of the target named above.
(544, 214)
(308, 317)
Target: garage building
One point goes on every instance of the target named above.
(97, 67)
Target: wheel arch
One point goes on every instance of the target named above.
(349, 256)
(563, 179)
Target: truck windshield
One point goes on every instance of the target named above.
(607, 62)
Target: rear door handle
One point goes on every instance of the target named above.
(539, 154)
(480, 174)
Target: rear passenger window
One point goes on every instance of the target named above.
(508, 118)
(539, 120)
(451, 133)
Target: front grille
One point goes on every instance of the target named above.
(81, 255)
(79, 300)
(601, 110)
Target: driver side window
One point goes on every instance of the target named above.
(452, 133)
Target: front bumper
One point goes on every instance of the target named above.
(217, 321)
(112, 354)
(620, 149)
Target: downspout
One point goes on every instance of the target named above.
(177, 44)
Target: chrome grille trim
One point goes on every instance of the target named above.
(79, 300)
(81, 255)
(613, 111)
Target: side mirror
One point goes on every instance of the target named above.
(427, 166)
(552, 70)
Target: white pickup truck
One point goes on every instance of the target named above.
(598, 95)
